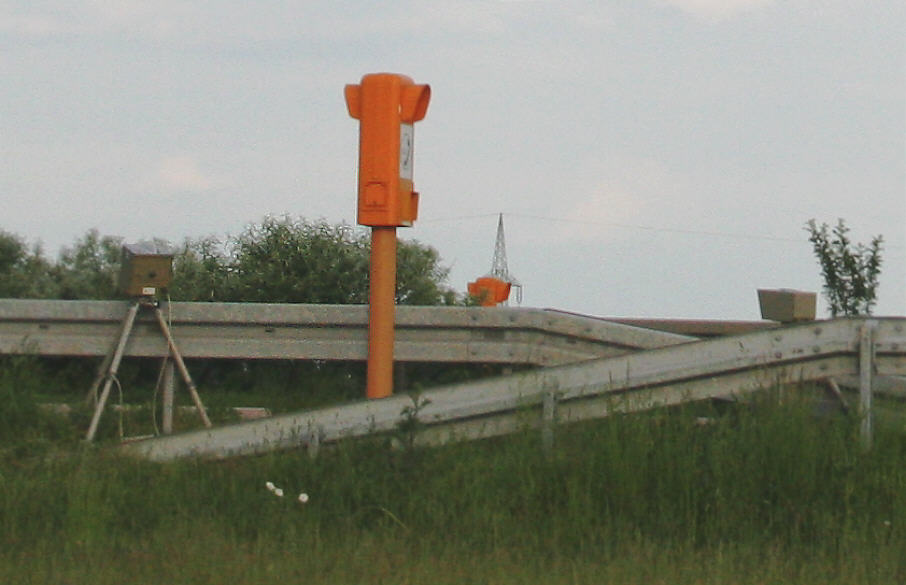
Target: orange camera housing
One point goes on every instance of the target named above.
(387, 105)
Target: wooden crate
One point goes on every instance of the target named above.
(146, 270)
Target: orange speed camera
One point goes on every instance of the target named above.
(386, 105)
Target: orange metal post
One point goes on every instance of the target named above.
(382, 296)
(386, 105)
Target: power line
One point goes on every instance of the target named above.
(664, 229)
(614, 224)
(656, 229)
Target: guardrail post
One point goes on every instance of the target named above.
(866, 366)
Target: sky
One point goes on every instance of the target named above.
(654, 158)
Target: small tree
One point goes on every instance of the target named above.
(289, 260)
(850, 271)
(24, 272)
(200, 270)
(88, 269)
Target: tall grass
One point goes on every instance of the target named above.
(761, 493)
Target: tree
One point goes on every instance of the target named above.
(850, 271)
(420, 277)
(24, 273)
(287, 260)
(200, 270)
(89, 269)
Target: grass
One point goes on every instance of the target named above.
(764, 493)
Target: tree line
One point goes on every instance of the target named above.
(280, 259)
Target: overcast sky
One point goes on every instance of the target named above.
(652, 158)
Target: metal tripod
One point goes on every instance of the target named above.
(111, 364)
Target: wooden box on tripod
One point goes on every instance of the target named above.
(146, 269)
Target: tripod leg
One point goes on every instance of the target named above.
(177, 358)
(92, 396)
(168, 382)
(103, 370)
(111, 371)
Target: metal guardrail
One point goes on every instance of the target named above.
(637, 381)
(702, 328)
(321, 332)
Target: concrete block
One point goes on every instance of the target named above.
(786, 305)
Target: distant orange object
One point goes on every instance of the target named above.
(490, 291)
(387, 106)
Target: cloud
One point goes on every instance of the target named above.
(717, 10)
(182, 173)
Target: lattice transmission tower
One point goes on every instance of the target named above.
(499, 267)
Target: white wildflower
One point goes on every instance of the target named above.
(303, 497)
(278, 492)
(270, 486)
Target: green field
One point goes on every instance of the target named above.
(764, 492)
